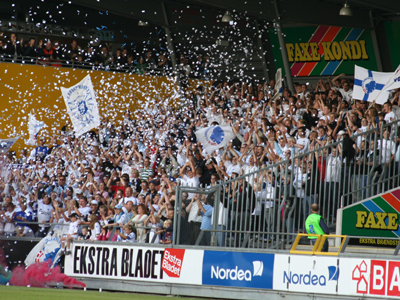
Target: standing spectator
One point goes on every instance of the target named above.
(205, 210)
(73, 51)
(14, 47)
(150, 62)
(31, 50)
(315, 224)
(194, 219)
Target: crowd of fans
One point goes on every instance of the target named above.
(101, 57)
(124, 174)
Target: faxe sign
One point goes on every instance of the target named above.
(379, 220)
(342, 50)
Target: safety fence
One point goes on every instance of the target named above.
(267, 208)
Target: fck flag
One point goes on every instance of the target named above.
(369, 85)
(394, 81)
(214, 137)
(82, 106)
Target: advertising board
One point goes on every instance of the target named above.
(310, 274)
(378, 216)
(369, 277)
(238, 269)
(133, 262)
(324, 50)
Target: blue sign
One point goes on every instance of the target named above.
(237, 269)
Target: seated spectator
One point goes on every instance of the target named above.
(47, 52)
(72, 233)
(85, 234)
(127, 236)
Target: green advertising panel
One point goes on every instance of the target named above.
(393, 38)
(324, 50)
(375, 217)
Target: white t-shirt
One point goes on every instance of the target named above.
(305, 142)
(387, 148)
(73, 229)
(333, 168)
(390, 117)
(191, 182)
(95, 232)
(230, 168)
(131, 238)
(44, 211)
(247, 170)
(84, 211)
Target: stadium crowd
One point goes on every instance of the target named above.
(124, 174)
(101, 57)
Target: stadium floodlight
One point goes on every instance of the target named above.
(346, 11)
(226, 18)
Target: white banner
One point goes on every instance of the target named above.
(394, 82)
(48, 249)
(34, 126)
(6, 144)
(82, 106)
(369, 85)
(214, 137)
(135, 262)
(278, 84)
(298, 273)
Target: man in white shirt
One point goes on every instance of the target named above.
(129, 196)
(390, 115)
(387, 148)
(250, 168)
(189, 177)
(332, 179)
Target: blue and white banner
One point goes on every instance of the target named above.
(278, 84)
(34, 126)
(48, 249)
(6, 144)
(238, 269)
(214, 137)
(394, 81)
(82, 106)
(369, 85)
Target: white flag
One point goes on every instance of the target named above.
(214, 137)
(6, 144)
(278, 84)
(34, 126)
(48, 249)
(368, 85)
(82, 106)
(394, 81)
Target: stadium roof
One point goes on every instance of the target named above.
(321, 12)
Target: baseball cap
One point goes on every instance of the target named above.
(118, 206)
(94, 202)
(78, 191)
(341, 132)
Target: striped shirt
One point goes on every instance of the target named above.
(146, 173)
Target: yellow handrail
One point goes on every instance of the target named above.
(319, 243)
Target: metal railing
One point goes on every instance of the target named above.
(267, 208)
